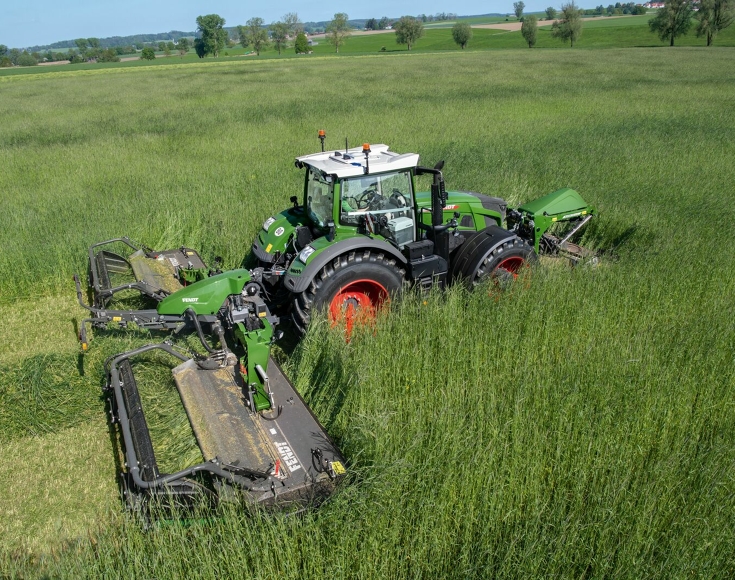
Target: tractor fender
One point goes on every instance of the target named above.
(470, 255)
(299, 283)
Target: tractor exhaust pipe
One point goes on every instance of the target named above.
(439, 233)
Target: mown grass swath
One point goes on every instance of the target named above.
(578, 425)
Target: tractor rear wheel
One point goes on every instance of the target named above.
(352, 287)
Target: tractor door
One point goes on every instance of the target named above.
(319, 195)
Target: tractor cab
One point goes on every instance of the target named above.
(368, 190)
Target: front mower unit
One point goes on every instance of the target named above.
(551, 222)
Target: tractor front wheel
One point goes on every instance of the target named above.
(498, 257)
(351, 288)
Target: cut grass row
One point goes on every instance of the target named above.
(580, 426)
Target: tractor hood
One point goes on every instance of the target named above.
(275, 233)
(205, 296)
(474, 209)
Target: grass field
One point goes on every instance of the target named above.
(583, 426)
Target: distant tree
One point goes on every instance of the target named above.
(383, 24)
(26, 59)
(338, 30)
(3, 50)
(74, 57)
(371, 24)
(462, 33)
(408, 30)
(82, 44)
(673, 20)
(94, 42)
(170, 46)
(293, 22)
(161, 46)
(713, 16)
(212, 33)
(569, 25)
(550, 13)
(183, 46)
(253, 33)
(242, 35)
(5, 62)
(301, 45)
(199, 48)
(148, 54)
(108, 55)
(518, 8)
(14, 55)
(529, 29)
(279, 35)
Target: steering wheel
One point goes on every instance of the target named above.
(366, 198)
(398, 199)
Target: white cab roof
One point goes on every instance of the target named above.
(352, 162)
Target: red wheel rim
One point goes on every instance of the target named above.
(358, 301)
(512, 265)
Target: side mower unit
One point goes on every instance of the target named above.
(258, 438)
(281, 457)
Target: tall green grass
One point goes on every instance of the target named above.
(580, 425)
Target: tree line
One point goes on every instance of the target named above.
(673, 20)
(670, 22)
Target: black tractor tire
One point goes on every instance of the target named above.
(375, 270)
(496, 255)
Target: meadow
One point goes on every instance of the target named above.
(582, 425)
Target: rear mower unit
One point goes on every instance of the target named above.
(360, 234)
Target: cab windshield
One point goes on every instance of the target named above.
(318, 198)
(382, 203)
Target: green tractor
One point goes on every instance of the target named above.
(361, 233)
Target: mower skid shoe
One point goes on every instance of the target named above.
(292, 447)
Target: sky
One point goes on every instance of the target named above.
(41, 22)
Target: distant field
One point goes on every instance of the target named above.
(582, 426)
(598, 32)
